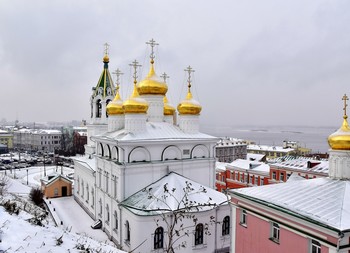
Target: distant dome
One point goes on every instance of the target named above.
(152, 84)
(106, 59)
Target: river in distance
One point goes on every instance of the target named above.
(314, 138)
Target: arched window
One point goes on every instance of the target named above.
(158, 238)
(127, 231)
(226, 226)
(198, 237)
(93, 196)
(107, 213)
(115, 220)
(82, 188)
(87, 193)
(107, 102)
(98, 108)
(100, 201)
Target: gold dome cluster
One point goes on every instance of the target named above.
(152, 84)
(340, 140)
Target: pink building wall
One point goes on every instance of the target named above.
(255, 237)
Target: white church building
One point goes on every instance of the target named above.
(148, 175)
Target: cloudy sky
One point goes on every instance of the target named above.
(257, 62)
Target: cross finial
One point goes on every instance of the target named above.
(118, 73)
(152, 43)
(164, 76)
(189, 70)
(135, 64)
(106, 48)
(345, 98)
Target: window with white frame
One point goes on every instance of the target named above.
(115, 221)
(107, 214)
(226, 226)
(275, 232)
(199, 234)
(158, 238)
(256, 180)
(243, 218)
(261, 181)
(282, 177)
(127, 232)
(274, 176)
(315, 247)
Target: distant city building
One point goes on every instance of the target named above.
(301, 151)
(37, 139)
(305, 167)
(230, 149)
(6, 138)
(299, 215)
(270, 152)
(79, 140)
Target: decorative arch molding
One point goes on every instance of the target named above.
(115, 153)
(139, 154)
(100, 149)
(171, 153)
(107, 151)
(200, 151)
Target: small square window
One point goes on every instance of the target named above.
(275, 232)
(243, 218)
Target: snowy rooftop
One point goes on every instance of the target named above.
(270, 148)
(320, 200)
(156, 131)
(166, 194)
(254, 157)
(85, 160)
(220, 166)
(304, 164)
(250, 165)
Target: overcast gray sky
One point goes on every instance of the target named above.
(257, 62)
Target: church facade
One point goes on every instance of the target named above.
(141, 157)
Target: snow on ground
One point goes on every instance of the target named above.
(20, 236)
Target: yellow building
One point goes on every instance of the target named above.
(6, 138)
(56, 185)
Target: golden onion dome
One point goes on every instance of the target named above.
(168, 109)
(152, 84)
(106, 59)
(115, 107)
(135, 104)
(189, 106)
(340, 140)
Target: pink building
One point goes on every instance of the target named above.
(299, 215)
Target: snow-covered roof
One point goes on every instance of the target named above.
(220, 166)
(320, 200)
(295, 177)
(250, 165)
(86, 161)
(255, 157)
(49, 179)
(165, 195)
(228, 141)
(304, 164)
(270, 148)
(82, 133)
(156, 131)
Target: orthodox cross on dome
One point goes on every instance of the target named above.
(189, 70)
(135, 64)
(106, 48)
(345, 98)
(118, 73)
(164, 76)
(152, 43)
